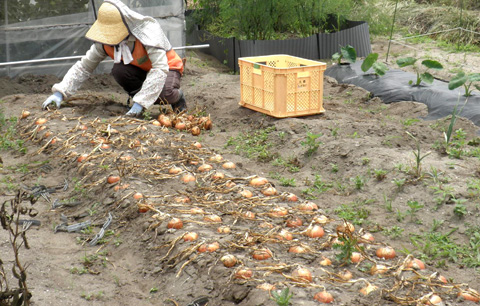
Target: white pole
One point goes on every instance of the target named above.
(54, 59)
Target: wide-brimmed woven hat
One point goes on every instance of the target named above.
(109, 28)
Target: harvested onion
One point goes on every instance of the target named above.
(190, 236)
(262, 254)
(258, 181)
(323, 297)
(229, 165)
(175, 223)
(244, 273)
(228, 260)
(187, 178)
(315, 231)
(302, 275)
(386, 252)
(112, 179)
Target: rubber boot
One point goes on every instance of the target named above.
(181, 104)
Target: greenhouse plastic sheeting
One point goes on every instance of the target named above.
(394, 87)
(50, 32)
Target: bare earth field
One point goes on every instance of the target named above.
(356, 163)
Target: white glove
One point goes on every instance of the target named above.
(57, 97)
(135, 111)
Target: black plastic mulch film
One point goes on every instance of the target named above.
(394, 87)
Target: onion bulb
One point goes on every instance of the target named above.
(174, 170)
(299, 249)
(195, 131)
(435, 300)
(197, 211)
(378, 269)
(294, 222)
(164, 120)
(243, 273)
(258, 181)
(246, 193)
(40, 121)
(197, 145)
(469, 295)
(228, 260)
(323, 297)
(315, 231)
(284, 235)
(216, 158)
(345, 275)
(180, 125)
(223, 229)
(212, 218)
(302, 275)
(229, 165)
(262, 254)
(416, 264)
(291, 197)
(278, 212)
(137, 195)
(187, 178)
(269, 191)
(82, 157)
(175, 223)
(368, 289)
(346, 226)
(190, 236)
(218, 175)
(307, 206)
(112, 179)
(356, 257)
(249, 215)
(25, 114)
(386, 252)
(325, 261)
(205, 168)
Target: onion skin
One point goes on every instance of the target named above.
(269, 191)
(174, 170)
(307, 206)
(246, 193)
(262, 254)
(294, 222)
(212, 218)
(224, 229)
(325, 261)
(190, 236)
(137, 195)
(244, 273)
(284, 235)
(195, 131)
(187, 178)
(82, 157)
(229, 260)
(315, 231)
(40, 121)
(205, 168)
(356, 257)
(302, 275)
(180, 126)
(385, 252)
(297, 249)
(278, 212)
(112, 179)
(258, 181)
(416, 264)
(323, 297)
(175, 223)
(469, 295)
(25, 114)
(229, 165)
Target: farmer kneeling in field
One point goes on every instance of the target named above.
(145, 64)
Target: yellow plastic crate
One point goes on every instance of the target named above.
(282, 85)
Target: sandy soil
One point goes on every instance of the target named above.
(142, 262)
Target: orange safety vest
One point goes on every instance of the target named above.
(141, 60)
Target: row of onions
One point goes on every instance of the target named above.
(260, 227)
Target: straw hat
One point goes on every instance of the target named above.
(109, 28)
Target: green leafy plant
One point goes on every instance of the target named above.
(425, 76)
(371, 61)
(282, 298)
(311, 143)
(414, 207)
(465, 80)
(347, 53)
(417, 168)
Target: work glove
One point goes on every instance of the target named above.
(57, 97)
(135, 111)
